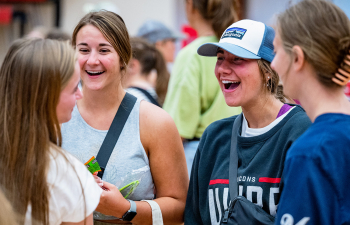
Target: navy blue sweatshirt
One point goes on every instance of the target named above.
(260, 167)
(316, 184)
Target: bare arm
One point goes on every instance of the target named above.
(163, 146)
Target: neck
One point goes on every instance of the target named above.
(141, 82)
(107, 99)
(262, 112)
(321, 100)
(202, 26)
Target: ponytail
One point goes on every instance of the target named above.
(220, 13)
(163, 77)
(151, 59)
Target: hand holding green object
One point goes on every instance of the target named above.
(129, 188)
(94, 167)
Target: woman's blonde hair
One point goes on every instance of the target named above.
(113, 28)
(32, 76)
(322, 30)
(219, 13)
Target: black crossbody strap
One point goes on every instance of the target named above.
(149, 96)
(233, 168)
(114, 131)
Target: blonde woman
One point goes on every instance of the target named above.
(311, 44)
(38, 90)
(148, 140)
(194, 99)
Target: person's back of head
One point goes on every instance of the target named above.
(154, 31)
(219, 13)
(32, 76)
(322, 30)
(151, 59)
(161, 36)
(57, 34)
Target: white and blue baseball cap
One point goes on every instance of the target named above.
(246, 39)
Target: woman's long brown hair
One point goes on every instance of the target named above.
(31, 78)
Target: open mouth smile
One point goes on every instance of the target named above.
(94, 73)
(230, 86)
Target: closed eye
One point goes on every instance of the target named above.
(83, 50)
(104, 50)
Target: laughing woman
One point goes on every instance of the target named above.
(267, 130)
(148, 140)
(312, 43)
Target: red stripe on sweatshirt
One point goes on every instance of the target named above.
(269, 180)
(219, 181)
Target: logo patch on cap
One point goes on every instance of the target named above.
(234, 32)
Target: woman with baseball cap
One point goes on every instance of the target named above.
(267, 127)
(194, 99)
(312, 46)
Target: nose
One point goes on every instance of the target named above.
(273, 64)
(78, 94)
(93, 59)
(224, 67)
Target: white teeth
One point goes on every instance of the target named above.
(229, 82)
(94, 72)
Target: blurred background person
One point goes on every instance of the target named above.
(194, 98)
(147, 76)
(161, 37)
(57, 34)
(38, 92)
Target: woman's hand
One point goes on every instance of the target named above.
(98, 180)
(112, 201)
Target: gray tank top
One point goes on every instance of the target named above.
(128, 161)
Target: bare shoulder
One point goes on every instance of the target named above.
(156, 126)
(154, 117)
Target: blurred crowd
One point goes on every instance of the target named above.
(247, 124)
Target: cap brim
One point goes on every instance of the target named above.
(210, 49)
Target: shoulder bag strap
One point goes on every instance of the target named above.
(234, 158)
(114, 131)
(149, 96)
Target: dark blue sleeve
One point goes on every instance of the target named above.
(304, 197)
(192, 214)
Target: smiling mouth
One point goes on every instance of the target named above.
(94, 73)
(230, 85)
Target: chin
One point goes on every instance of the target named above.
(232, 103)
(65, 119)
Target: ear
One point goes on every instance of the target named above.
(298, 60)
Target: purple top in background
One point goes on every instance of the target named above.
(283, 110)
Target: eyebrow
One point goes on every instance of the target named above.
(219, 51)
(101, 44)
